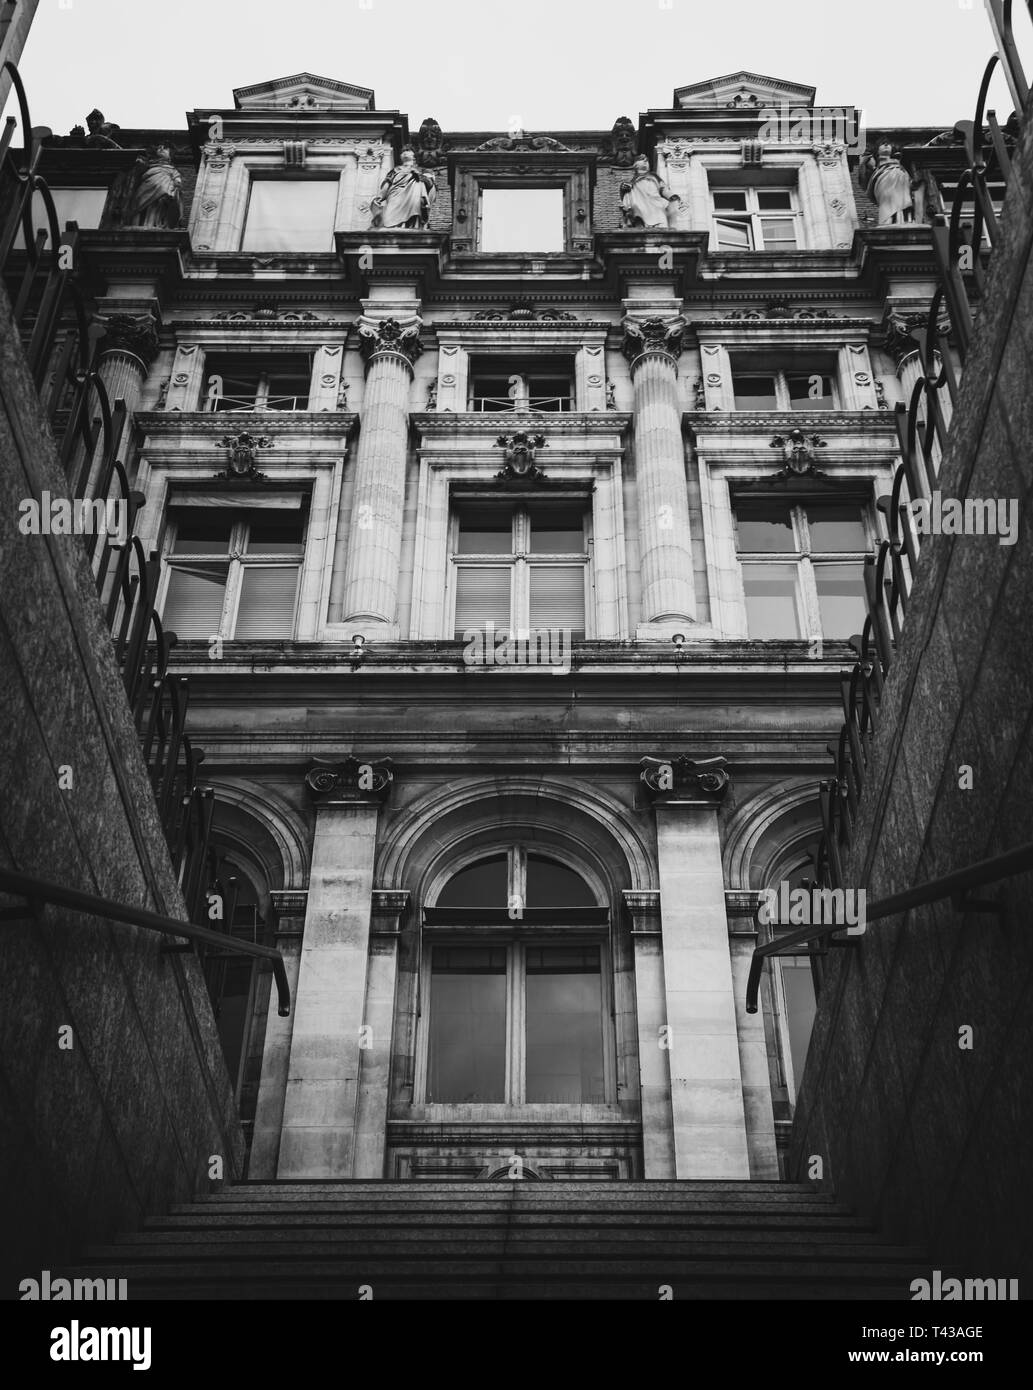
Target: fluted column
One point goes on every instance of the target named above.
(129, 346)
(375, 542)
(668, 593)
(321, 1107)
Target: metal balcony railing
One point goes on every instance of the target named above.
(247, 405)
(554, 404)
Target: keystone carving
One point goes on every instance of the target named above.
(353, 781)
(703, 779)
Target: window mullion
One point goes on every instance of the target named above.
(809, 594)
(515, 1060)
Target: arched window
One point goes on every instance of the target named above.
(795, 995)
(516, 987)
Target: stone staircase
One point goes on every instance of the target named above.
(531, 1240)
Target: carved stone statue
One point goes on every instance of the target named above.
(888, 184)
(102, 132)
(406, 196)
(156, 201)
(622, 142)
(430, 144)
(646, 201)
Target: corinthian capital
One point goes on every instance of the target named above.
(349, 782)
(135, 333)
(388, 335)
(652, 335)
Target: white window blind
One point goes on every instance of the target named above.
(291, 215)
(482, 596)
(266, 607)
(558, 597)
(193, 605)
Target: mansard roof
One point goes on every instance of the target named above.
(742, 90)
(304, 91)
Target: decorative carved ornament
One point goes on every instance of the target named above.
(137, 334)
(520, 451)
(352, 781)
(798, 452)
(652, 335)
(523, 311)
(243, 449)
(678, 779)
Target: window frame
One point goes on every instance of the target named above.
(803, 557)
(237, 560)
(783, 400)
(264, 174)
(520, 559)
(753, 216)
(263, 377)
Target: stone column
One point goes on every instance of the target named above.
(375, 1052)
(668, 592)
(127, 349)
(706, 1077)
(903, 348)
(375, 542)
(289, 905)
(653, 1050)
(321, 1107)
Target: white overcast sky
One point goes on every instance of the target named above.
(476, 64)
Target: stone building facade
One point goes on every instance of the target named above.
(514, 584)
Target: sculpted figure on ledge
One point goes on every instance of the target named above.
(888, 184)
(406, 196)
(646, 201)
(156, 200)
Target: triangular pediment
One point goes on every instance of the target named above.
(742, 91)
(303, 92)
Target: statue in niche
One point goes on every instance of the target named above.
(646, 201)
(156, 201)
(888, 185)
(406, 196)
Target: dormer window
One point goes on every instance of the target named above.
(755, 219)
(521, 219)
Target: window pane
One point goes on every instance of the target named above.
(836, 528)
(774, 200)
(193, 602)
(275, 535)
(558, 598)
(798, 984)
(266, 607)
(554, 885)
(482, 597)
(841, 599)
(197, 534)
(81, 205)
(811, 392)
(287, 391)
(486, 534)
(291, 215)
(730, 200)
(467, 1052)
(765, 527)
(779, 233)
(755, 393)
(481, 885)
(771, 608)
(557, 534)
(564, 1047)
(521, 219)
(734, 236)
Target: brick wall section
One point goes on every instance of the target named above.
(93, 1138)
(930, 1137)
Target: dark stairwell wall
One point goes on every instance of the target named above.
(123, 1122)
(930, 1136)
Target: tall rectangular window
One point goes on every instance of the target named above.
(290, 215)
(802, 567)
(521, 569)
(233, 575)
(805, 388)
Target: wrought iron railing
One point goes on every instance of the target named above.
(922, 429)
(66, 375)
(555, 404)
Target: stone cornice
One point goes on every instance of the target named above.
(158, 423)
(643, 908)
(478, 424)
(735, 422)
